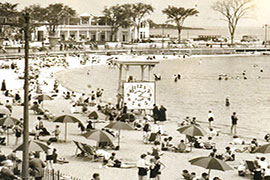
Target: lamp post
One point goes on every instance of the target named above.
(25, 162)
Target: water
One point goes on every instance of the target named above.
(199, 90)
(223, 31)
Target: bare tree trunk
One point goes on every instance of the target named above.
(179, 34)
(138, 33)
(232, 39)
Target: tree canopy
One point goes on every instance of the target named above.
(116, 16)
(137, 14)
(178, 15)
(53, 14)
(233, 11)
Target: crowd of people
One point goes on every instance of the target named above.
(150, 164)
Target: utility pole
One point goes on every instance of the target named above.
(25, 162)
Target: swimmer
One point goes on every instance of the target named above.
(227, 102)
(219, 77)
(175, 78)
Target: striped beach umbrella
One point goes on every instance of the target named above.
(192, 130)
(99, 136)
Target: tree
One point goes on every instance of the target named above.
(178, 16)
(8, 11)
(116, 16)
(8, 14)
(137, 13)
(53, 15)
(37, 13)
(57, 14)
(233, 11)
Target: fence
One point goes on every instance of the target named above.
(57, 175)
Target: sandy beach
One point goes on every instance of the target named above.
(197, 92)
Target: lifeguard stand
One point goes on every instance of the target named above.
(124, 67)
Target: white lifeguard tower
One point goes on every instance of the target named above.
(137, 94)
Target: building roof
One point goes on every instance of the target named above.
(136, 62)
(85, 15)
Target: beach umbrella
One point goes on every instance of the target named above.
(33, 146)
(66, 119)
(118, 125)
(209, 162)
(4, 111)
(9, 121)
(263, 149)
(43, 97)
(192, 130)
(99, 136)
(93, 115)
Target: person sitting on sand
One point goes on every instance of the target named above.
(204, 176)
(181, 147)
(242, 169)
(185, 122)
(237, 141)
(37, 110)
(250, 148)
(229, 155)
(186, 175)
(213, 132)
(208, 144)
(96, 176)
(114, 162)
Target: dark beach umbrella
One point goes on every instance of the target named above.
(66, 119)
(99, 136)
(9, 121)
(209, 162)
(93, 115)
(263, 149)
(33, 146)
(4, 111)
(118, 125)
(43, 97)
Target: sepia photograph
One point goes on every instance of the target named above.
(134, 90)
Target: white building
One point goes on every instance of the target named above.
(86, 30)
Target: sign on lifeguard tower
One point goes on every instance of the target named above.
(139, 95)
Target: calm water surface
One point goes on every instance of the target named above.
(200, 90)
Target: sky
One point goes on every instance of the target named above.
(207, 16)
